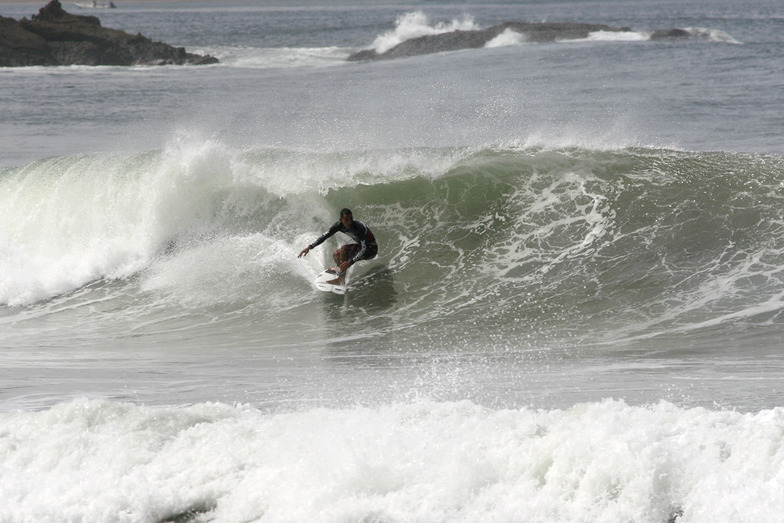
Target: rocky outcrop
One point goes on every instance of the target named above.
(456, 40)
(56, 37)
(670, 34)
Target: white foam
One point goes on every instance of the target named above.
(69, 221)
(425, 461)
(416, 24)
(619, 36)
(714, 35)
(234, 270)
(278, 57)
(506, 39)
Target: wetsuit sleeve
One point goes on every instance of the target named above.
(332, 230)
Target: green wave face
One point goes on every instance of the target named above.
(597, 244)
(637, 237)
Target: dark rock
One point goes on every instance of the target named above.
(19, 47)
(456, 40)
(668, 34)
(56, 37)
(364, 54)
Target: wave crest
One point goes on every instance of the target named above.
(416, 24)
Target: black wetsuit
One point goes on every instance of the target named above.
(366, 246)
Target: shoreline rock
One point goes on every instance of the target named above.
(56, 37)
(474, 39)
(457, 40)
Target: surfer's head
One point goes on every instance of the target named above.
(346, 218)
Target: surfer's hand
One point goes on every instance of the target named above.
(304, 252)
(344, 266)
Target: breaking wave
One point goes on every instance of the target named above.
(416, 24)
(647, 240)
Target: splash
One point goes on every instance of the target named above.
(416, 24)
(506, 39)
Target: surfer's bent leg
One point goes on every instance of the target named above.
(340, 255)
(353, 248)
(350, 250)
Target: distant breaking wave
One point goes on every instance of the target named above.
(415, 35)
(416, 24)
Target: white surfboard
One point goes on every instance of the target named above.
(327, 276)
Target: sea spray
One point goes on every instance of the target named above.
(415, 24)
(69, 221)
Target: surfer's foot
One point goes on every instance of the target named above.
(336, 281)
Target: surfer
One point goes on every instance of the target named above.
(365, 247)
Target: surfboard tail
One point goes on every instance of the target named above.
(331, 281)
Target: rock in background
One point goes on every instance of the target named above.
(56, 37)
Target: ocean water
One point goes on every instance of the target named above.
(576, 314)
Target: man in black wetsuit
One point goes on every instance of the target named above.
(346, 256)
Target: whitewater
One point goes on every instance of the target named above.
(575, 315)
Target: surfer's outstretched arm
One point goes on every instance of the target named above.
(332, 230)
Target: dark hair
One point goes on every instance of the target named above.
(346, 212)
